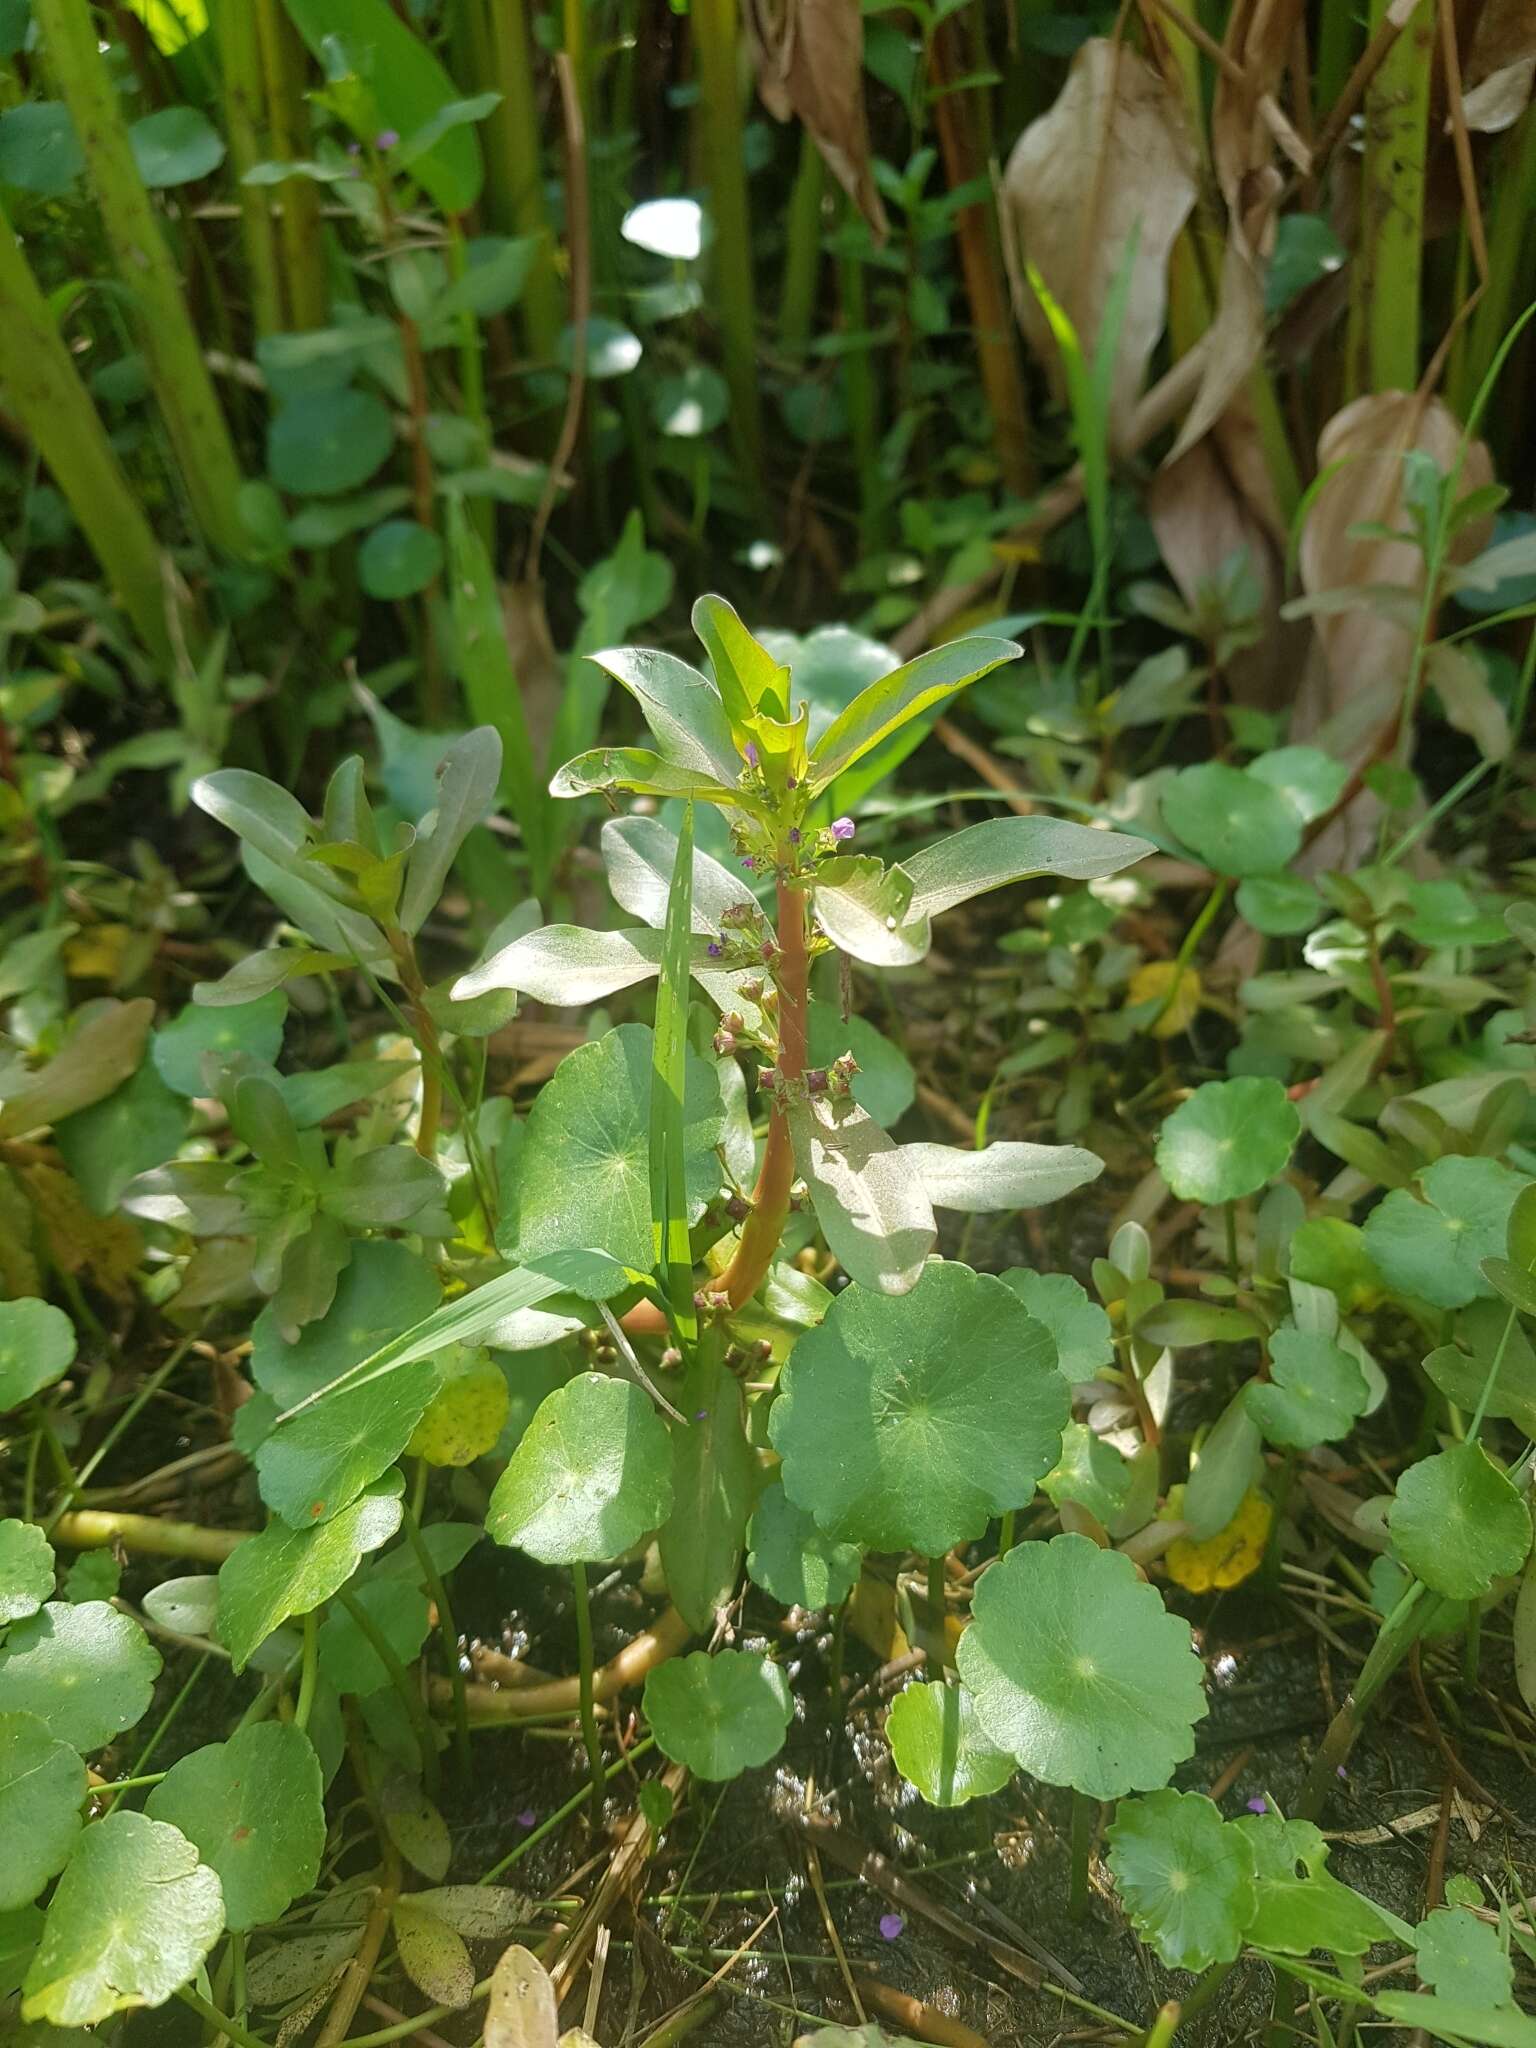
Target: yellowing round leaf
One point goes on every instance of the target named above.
(465, 1417)
(1227, 1558)
(1151, 983)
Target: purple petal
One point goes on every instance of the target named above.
(386, 138)
(1258, 1804)
(714, 951)
(842, 828)
(527, 1817)
(751, 754)
(891, 1925)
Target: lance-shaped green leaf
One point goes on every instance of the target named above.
(467, 779)
(1004, 1176)
(714, 1476)
(718, 1715)
(261, 813)
(565, 965)
(793, 1561)
(1222, 1469)
(585, 1177)
(254, 1808)
(889, 703)
(26, 1570)
(1459, 1522)
(1003, 850)
(753, 683)
(873, 1212)
(1299, 1904)
(1450, 2019)
(42, 1787)
(1185, 1877)
(643, 773)
(1228, 1139)
(297, 890)
(1079, 1671)
(131, 1920)
(88, 1670)
(682, 708)
(865, 910)
(941, 1748)
(591, 1475)
(908, 1424)
(286, 1571)
(640, 855)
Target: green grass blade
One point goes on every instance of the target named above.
(669, 1191)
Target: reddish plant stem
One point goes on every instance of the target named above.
(764, 1227)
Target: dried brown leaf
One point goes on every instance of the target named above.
(1500, 66)
(1233, 343)
(810, 66)
(1112, 158)
(105, 1049)
(522, 2011)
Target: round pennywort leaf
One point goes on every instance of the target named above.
(42, 1783)
(1185, 1877)
(718, 1715)
(88, 1670)
(793, 1560)
(399, 558)
(1459, 1522)
(940, 1746)
(1079, 1671)
(1228, 1139)
(254, 1807)
(907, 1422)
(26, 1570)
(591, 1475)
(37, 1347)
(1236, 823)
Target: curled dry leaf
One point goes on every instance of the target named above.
(522, 2011)
(1111, 159)
(1233, 341)
(1501, 66)
(1366, 653)
(810, 64)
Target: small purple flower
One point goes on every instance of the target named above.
(386, 138)
(750, 751)
(791, 782)
(354, 149)
(748, 863)
(1342, 1772)
(527, 1817)
(891, 1925)
(794, 835)
(842, 829)
(700, 1414)
(714, 949)
(1258, 1803)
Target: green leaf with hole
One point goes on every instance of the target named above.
(794, 1561)
(254, 1807)
(941, 1748)
(88, 1670)
(1236, 823)
(1228, 1139)
(1459, 1522)
(586, 1157)
(1184, 1876)
(591, 1475)
(37, 1347)
(1079, 1671)
(284, 1571)
(133, 1917)
(42, 1788)
(718, 1715)
(1433, 1249)
(26, 1570)
(1313, 1395)
(907, 1423)
(1300, 1905)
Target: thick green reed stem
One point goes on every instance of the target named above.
(45, 389)
(183, 388)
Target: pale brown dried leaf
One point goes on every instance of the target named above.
(1112, 158)
(1234, 342)
(1500, 66)
(522, 2011)
(810, 66)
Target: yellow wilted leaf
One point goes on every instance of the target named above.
(1151, 983)
(109, 1248)
(465, 1416)
(97, 953)
(1227, 1558)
